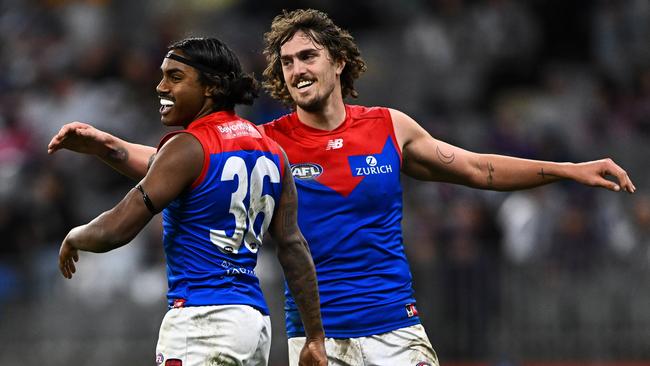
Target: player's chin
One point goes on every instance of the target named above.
(166, 120)
(311, 105)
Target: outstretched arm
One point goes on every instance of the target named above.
(130, 159)
(426, 158)
(177, 165)
(299, 271)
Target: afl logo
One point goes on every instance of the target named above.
(371, 161)
(306, 170)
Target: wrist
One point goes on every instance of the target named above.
(565, 170)
(317, 336)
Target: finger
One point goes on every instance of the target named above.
(64, 270)
(61, 262)
(52, 148)
(624, 180)
(57, 140)
(608, 184)
(627, 184)
(54, 144)
(71, 266)
(75, 256)
(66, 265)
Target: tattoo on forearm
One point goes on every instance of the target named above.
(118, 155)
(490, 177)
(545, 175)
(301, 278)
(293, 253)
(445, 159)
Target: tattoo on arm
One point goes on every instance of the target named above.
(118, 155)
(296, 261)
(490, 177)
(445, 159)
(545, 175)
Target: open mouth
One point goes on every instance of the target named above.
(304, 84)
(165, 105)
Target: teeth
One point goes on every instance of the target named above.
(166, 102)
(304, 83)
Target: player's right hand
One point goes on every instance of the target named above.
(68, 255)
(313, 353)
(79, 137)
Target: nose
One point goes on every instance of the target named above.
(161, 87)
(299, 68)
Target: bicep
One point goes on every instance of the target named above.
(175, 167)
(427, 158)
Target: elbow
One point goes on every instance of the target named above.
(482, 176)
(292, 245)
(294, 252)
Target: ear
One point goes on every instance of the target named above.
(210, 91)
(340, 65)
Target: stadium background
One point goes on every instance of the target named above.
(557, 274)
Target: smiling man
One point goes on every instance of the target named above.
(347, 161)
(351, 211)
(220, 185)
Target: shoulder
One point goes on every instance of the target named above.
(179, 159)
(280, 124)
(364, 112)
(406, 128)
(398, 116)
(401, 120)
(280, 121)
(182, 145)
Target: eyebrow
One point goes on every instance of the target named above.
(300, 53)
(171, 70)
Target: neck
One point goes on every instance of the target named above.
(327, 118)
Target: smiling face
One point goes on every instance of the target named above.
(183, 98)
(311, 75)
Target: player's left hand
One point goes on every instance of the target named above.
(593, 174)
(313, 353)
(68, 255)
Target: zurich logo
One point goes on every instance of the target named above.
(371, 161)
(306, 170)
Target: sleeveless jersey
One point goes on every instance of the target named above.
(350, 212)
(213, 230)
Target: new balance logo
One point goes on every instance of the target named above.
(334, 144)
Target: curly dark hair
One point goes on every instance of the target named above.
(322, 31)
(232, 85)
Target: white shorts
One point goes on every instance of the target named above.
(207, 335)
(405, 346)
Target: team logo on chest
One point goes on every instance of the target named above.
(365, 165)
(306, 171)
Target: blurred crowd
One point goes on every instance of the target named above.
(560, 272)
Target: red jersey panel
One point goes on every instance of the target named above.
(350, 211)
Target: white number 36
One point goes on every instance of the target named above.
(244, 218)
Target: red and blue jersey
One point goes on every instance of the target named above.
(350, 212)
(213, 230)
